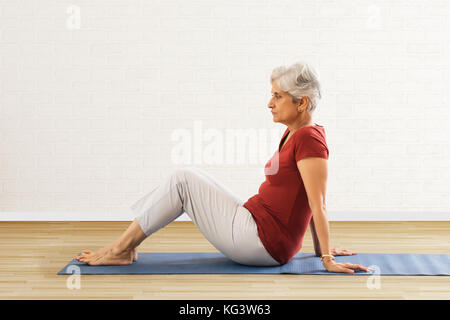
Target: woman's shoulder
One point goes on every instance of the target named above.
(315, 130)
(313, 135)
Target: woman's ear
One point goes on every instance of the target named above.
(304, 101)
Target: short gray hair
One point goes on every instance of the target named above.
(299, 80)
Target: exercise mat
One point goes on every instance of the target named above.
(388, 264)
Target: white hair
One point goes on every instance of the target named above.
(299, 80)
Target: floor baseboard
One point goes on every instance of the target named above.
(128, 216)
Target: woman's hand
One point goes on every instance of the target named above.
(347, 267)
(341, 252)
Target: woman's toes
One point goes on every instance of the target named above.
(86, 254)
(82, 258)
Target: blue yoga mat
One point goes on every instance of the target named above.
(388, 264)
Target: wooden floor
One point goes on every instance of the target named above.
(31, 254)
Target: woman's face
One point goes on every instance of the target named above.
(282, 108)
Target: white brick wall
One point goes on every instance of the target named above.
(87, 114)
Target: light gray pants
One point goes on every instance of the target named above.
(217, 213)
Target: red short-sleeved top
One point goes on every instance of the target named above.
(281, 209)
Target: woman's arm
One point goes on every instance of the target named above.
(314, 173)
(322, 231)
(316, 242)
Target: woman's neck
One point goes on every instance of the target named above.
(294, 128)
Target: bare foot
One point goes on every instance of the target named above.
(103, 251)
(100, 251)
(109, 255)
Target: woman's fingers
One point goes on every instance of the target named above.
(347, 270)
(356, 266)
(348, 267)
(342, 252)
(350, 271)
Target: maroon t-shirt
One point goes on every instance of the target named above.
(281, 209)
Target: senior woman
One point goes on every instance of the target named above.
(268, 229)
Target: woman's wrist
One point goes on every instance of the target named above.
(327, 259)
